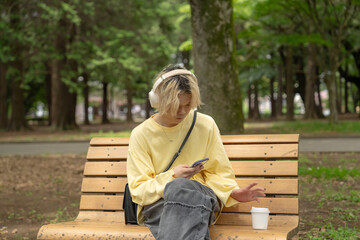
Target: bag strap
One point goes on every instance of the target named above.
(183, 143)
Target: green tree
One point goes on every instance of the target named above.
(215, 65)
(15, 19)
(331, 19)
(5, 57)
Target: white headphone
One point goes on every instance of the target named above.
(153, 97)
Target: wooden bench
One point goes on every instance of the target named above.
(270, 160)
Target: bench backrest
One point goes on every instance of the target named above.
(270, 160)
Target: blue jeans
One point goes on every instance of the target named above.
(187, 210)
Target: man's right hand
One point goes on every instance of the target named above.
(185, 171)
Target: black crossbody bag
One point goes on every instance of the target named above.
(130, 208)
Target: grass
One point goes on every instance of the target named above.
(62, 136)
(332, 196)
(330, 232)
(316, 127)
(110, 134)
(62, 215)
(328, 173)
(85, 133)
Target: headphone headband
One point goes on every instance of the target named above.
(170, 74)
(153, 97)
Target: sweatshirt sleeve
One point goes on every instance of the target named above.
(220, 175)
(145, 185)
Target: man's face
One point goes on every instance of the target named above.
(182, 112)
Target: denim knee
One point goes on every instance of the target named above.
(189, 192)
(177, 184)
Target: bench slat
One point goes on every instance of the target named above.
(109, 141)
(107, 153)
(244, 219)
(76, 230)
(275, 205)
(260, 138)
(273, 186)
(252, 151)
(262, 151)
(241, 168)
(114, 230)
(117, 185)
(105, 185)
(227, 139)
(265, 168)
(223, 232)
(224, 219)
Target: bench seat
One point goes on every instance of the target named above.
(116, 230)
(270, 160)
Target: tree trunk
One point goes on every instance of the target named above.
(319, 108)
(352, 79)
(73, 98)
(289, 84)
(63, 102)
(86, 99)
(250, 103)
(57, 99)
(338, 95)
(272, 98)
(257, 115)
(310, 108)
(355, 97)
(279, 99)
(331, 86)
(48, 92)
(17, 121)
(104, 119)
(3, 97)
(356, 100)
(300, 75)
(214, 52)
(129, 96)
(330, 80)
(346, 96)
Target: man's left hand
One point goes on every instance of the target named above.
(248, 194)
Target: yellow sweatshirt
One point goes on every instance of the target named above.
(150, 151)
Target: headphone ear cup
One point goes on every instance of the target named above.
(154, 99)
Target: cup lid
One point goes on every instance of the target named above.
(259, 210)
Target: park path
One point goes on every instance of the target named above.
(307, 144)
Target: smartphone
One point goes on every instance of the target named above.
(202, 161)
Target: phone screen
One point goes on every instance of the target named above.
(202, 161)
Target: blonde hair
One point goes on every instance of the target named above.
(169, 90)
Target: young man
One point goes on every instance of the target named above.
(182, 202)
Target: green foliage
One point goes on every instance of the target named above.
(5, 33)
(118, 43)
(111, 134)
(329, 173)
(71, 13)
(186, 46)
(334, 233)
(315, 126)
(265, 27)
(300, 39)
(62, 215)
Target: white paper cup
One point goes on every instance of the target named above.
(260, 217)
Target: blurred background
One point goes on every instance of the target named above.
(71, 70)
(66, 64)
